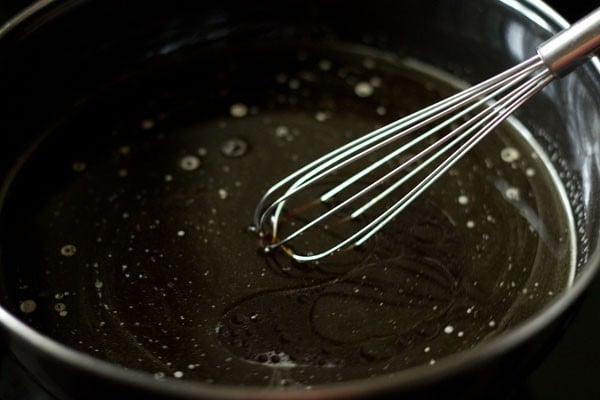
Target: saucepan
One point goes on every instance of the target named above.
(138, 136)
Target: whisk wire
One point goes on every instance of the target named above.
(499, 108)
(491, 117)
(313, 171)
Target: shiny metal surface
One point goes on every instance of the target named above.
(574, 45)
(556, 56)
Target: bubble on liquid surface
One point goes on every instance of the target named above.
(448, 329)
(512, 193)
(463, 200)
(28, 306)
(509, 154)
(234, 148)
(238, 110)
(363, 89)
(530, 172)
(189, 163)
(68, 250)
(178, 374)
(276, 359)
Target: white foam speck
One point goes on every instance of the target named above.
(189, 163)
(363, 89)
(509, 154)
(530, 172)
(28, 306)
(322, 116)
(238, 110)
(512, 193)
(68, 250)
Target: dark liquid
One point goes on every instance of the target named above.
(124, 232)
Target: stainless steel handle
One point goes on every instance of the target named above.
(571, 47)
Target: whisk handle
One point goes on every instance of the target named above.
(572, 46)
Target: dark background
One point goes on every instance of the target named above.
(571, 370)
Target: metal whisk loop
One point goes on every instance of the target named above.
(445, 132)
(313, 171)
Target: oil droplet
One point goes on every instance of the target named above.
(463, 200)
(470, 224)
(363, 89)
(238, 110)
(189, 163)
(68, 250)
(223, 194)
(448, 329)
(234, 148)
(178, 374)
(28, 306)
(168, 178)
(180, 233)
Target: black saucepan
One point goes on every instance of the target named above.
(131, 155)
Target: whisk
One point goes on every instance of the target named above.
(420, 148)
